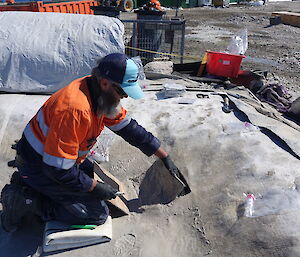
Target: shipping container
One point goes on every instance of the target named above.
(78, 7)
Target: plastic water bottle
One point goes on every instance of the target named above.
(94, 156)
(249, 205)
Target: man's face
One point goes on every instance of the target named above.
(119, 92)
(110, 97)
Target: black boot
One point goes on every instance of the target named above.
(16, 203)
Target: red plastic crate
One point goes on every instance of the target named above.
(223, 64)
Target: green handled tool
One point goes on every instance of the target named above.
(84, 226)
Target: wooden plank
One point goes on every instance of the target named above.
(289, 18)
(119, 204)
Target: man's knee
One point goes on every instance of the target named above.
(78, 210)
(95, 212)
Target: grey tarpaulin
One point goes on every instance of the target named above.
(219, 156)
(286, 130)
(42, 52)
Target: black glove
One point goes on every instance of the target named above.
(171, 167)
(104, 191)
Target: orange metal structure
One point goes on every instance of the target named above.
(79, 7)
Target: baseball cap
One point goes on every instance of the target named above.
(120, 69)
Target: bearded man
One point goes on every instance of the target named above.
(54, 178)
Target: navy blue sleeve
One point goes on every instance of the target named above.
(139, 137)
(73, 179)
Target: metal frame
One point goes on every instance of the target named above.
(141, 31)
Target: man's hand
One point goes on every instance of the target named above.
(171, 167)
(104, 191)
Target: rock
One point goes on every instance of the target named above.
(163, 67)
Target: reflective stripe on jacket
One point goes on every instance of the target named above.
(66, 128)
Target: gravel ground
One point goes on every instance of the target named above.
(272, 48)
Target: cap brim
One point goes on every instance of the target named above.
(133, 90)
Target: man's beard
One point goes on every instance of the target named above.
(107, 104)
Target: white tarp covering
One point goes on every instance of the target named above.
(43, 52)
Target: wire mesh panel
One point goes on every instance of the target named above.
(155, 39)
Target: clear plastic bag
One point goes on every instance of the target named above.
(238, 127)
(276, 201)
(100, 151)
(139, 63)
(239, 43)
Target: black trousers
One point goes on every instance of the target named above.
(59, 203)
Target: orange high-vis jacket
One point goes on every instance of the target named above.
(65, 128)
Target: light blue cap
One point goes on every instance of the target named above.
(130, 83)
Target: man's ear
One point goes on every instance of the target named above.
(104, 84)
